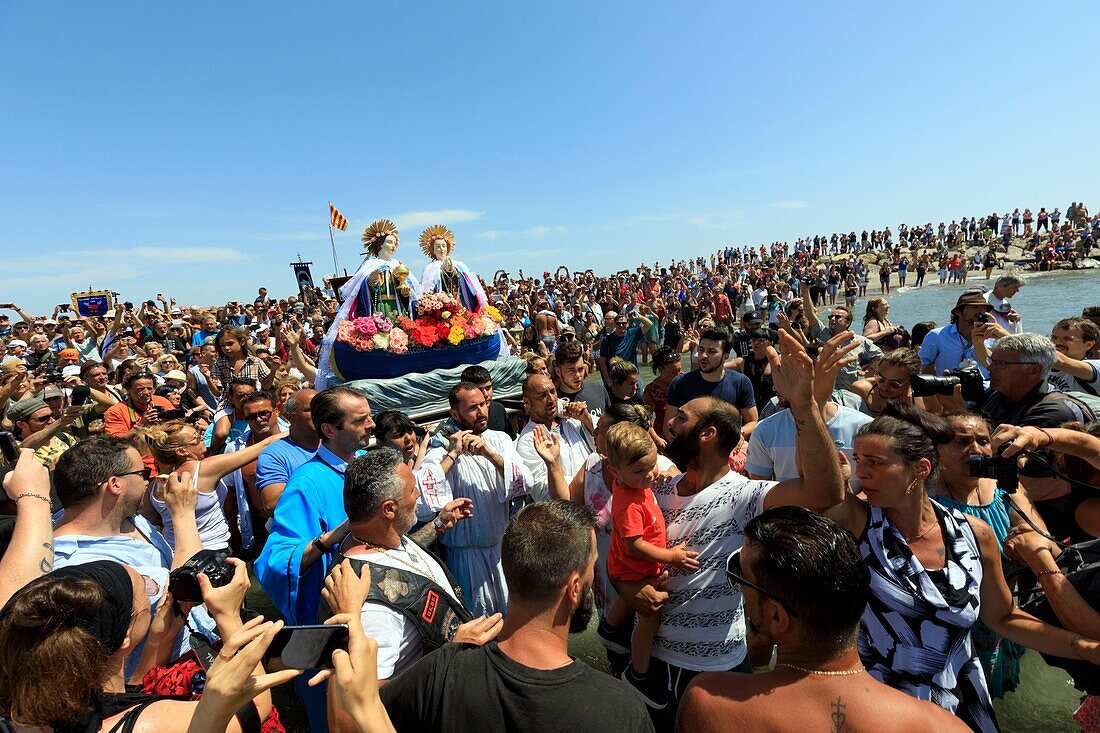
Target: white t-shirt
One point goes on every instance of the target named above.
(772, 449)
(999, 305)
(703, 623)
(399, 643)
(1068, 383)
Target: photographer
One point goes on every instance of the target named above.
(140, 409)
(66, 637)
(34, 423)
(946, 347)
(1073, 511)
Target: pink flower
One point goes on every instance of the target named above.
(399, 341)
(384, 324)
(366, 326)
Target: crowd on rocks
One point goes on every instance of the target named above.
(876, 518)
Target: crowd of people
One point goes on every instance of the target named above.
(876, 518)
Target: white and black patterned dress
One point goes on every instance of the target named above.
(915, 633)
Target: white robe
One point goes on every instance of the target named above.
(473, 545)
(431, 281)
(576, 446)
(326, 375)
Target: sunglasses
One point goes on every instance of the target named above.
(734, 576)
(146, 473)
(265, 415)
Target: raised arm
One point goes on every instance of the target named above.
(823, 486)
(30, 553)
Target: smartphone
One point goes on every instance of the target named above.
(8, 447)
(309, 647)
(81, 393)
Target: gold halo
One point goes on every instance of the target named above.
(376, 232)
(434, 232)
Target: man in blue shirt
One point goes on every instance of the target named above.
(310, 518)
(713, 379)
(944, 348)
(624, 340)
(279, 460)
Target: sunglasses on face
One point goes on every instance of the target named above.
(146, 473)
(265, 415)
(734, 576)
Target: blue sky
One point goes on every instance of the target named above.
(191, 148)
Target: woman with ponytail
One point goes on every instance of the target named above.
(934, 572)
(177, 446)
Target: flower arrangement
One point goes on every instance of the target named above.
(441, 322)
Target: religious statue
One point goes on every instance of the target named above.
(383, 284)
(444, 273)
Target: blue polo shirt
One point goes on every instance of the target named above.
(947, 348)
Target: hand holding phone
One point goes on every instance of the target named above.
(309, 647)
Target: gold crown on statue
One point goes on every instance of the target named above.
(377, 232)
(432, 233)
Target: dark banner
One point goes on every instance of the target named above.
(306, 287)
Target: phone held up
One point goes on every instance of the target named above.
(309, 647)
(8, 447)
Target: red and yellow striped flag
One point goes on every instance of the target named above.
(337, 219)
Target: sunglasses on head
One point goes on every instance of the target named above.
(734, 576)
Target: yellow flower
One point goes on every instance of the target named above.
(456, 335)
(493, 313)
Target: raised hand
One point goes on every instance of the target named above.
(834, 356)
(547, 445)
(792, 371)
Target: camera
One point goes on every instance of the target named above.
(183, 582)
(1004, 470)
(176, 414)
(969, 376)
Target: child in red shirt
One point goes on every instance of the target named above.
(637, 533)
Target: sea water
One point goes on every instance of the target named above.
(1045, 299)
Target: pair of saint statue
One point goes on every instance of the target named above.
(383, 284)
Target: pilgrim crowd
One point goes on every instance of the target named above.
(774, 509)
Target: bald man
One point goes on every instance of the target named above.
(561, 419)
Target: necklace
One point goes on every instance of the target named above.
(412, 561)
(920, 534)
(823, 672)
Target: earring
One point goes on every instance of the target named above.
(909, 489)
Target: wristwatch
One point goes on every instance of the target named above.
(320, 546)
(440, 528)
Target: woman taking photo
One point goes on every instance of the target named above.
(878, 328)
(955, 488)
(65, 636)
(893, 380)
(934, 572)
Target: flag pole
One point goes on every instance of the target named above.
(335, 264)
